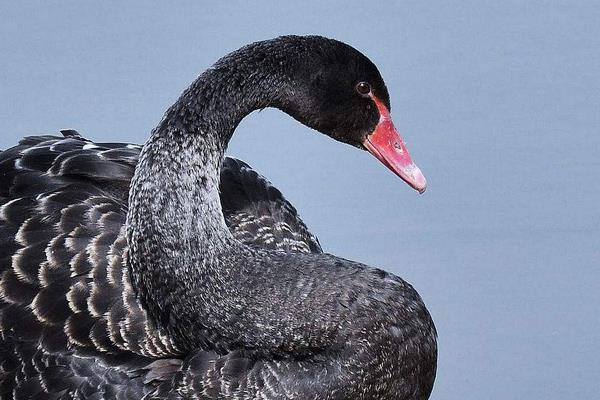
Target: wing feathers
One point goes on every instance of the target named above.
(70, 324)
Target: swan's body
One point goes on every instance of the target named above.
(122, 284)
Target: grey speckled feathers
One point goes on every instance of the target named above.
(66, 299)
(170, 272)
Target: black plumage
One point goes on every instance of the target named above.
(63, 204)
(168, 271)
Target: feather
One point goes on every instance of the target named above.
(15, 290)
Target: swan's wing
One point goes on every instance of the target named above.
(257, 213)
(33, 372)
(70, 325)
(69, 320)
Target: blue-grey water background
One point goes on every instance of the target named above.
(499, 103)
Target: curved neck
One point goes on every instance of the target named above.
(179, 244)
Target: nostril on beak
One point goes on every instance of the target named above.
(398, 147)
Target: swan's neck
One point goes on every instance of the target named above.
(179, 245)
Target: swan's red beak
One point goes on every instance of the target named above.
(387, 145)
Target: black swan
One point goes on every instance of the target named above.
(167, 271)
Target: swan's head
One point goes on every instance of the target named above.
(338, 91)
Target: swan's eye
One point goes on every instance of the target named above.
(363, 88)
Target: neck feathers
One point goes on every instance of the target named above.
(177, 236)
